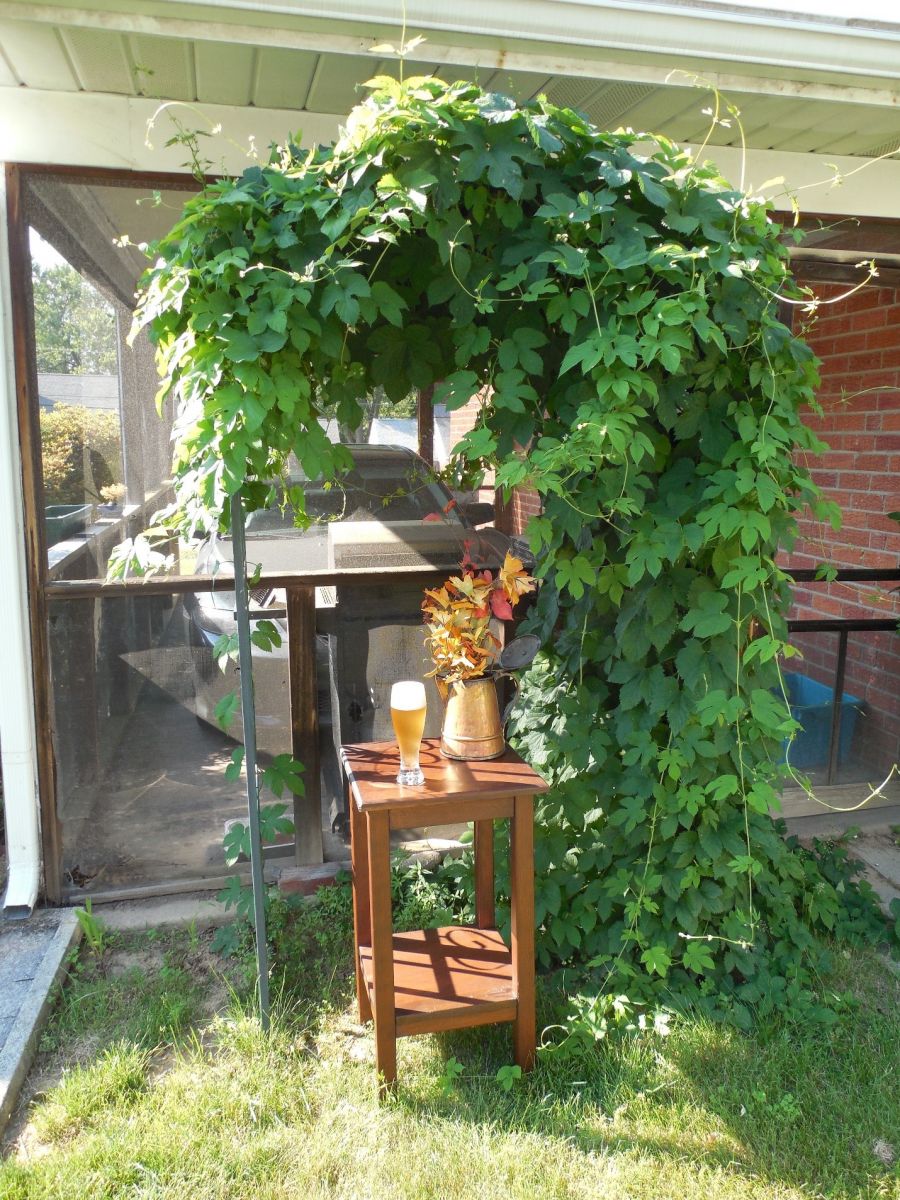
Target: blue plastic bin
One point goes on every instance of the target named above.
(811, 705)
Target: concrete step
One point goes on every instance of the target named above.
(33, 955)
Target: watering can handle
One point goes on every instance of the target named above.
(509, 707)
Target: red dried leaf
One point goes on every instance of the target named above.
(501, 607)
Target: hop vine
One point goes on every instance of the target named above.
(616, 310)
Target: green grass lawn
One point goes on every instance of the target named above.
(153, 1082)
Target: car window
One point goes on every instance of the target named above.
(373, 491)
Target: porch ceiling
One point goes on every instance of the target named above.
(801, 84)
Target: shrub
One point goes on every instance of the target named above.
(82, 453)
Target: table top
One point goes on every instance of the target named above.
(372, 768)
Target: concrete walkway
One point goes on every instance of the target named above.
(32, 959)
(880, 851)
(876, 842)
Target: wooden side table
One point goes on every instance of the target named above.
(458, 976)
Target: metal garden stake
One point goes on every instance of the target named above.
(248, 715)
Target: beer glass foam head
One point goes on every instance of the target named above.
(408, 695)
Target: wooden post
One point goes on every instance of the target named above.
(521, 875)
(301, 622)
(362, 914)
(27, 408)
(378, 845)
(484, 874)
(425, 417)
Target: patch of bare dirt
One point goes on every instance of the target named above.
(214, 978)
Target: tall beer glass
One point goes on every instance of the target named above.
(408, 716)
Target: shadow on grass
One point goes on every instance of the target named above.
(311, 952)
(799, 1105)
(792, 1105)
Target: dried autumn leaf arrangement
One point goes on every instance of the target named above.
(458, 616)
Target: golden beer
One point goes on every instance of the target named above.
(409, 725)
(408, 717)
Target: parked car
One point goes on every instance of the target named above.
(389, 510)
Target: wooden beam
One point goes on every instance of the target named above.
(175, 585)
(425, 423)
(484, 874)
(301, 623)
(116, 176)
(35, 541)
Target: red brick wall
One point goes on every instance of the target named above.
(858, 341)
(513, 517)
(463, 419)
(523, 505)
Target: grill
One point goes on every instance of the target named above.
(365, 544)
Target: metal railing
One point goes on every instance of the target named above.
(843, 627)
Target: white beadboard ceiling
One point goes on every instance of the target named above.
(814, 112)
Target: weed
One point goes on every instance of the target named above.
(92, 928)
(508, 1076)
(424, 898)
(193, 936)
(785, 1109)
(449, 1077)
(143, 1008)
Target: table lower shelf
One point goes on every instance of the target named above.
(448, 978)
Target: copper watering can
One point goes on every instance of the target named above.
(472, 727)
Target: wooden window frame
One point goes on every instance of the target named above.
(18, 176)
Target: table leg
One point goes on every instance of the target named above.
(362, 916)
(484, 874)
(521, 873)
(379, 847)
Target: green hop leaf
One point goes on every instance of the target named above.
(697, 957)
(657, 960)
